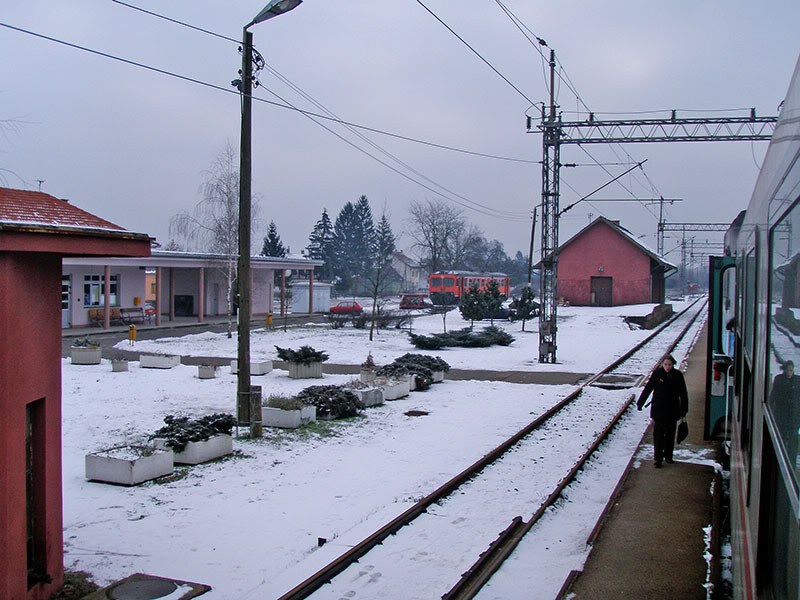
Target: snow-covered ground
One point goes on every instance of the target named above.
(248, 526)
(587, 337)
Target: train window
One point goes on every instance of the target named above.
(783, 361)
(750, 271)
(436, 281)
(449, 281)
(778, 538)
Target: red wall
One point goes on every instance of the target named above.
(30, 369)
(601, 246)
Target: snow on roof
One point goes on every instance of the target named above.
(22, 207)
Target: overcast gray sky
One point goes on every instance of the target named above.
(131, 145)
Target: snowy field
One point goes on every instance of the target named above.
(248, 525)
(588, 339)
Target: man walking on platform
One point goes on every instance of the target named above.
(670, 403)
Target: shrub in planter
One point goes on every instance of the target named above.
(128, 465)
(287, 411)
(368, 367)
(426, 369)
(206, 371)
(369, 394)
(179, 431)
(159, 361)
(119, 363)
(331, 401)
(393, 387)
(305, 355)
(85, 351)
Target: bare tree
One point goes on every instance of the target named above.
(465, 243)
(432, 226)
(213, 225)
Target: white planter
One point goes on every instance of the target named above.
(301, 371)
(206, 371)
(288, 419)
(367, 375)
(199, 452)
(123, 465)
(118, 366)
(438, 376)
(370, 397)
(85, 355)
(395, 388)
(261, 367)
(412, 382)
(158, 361)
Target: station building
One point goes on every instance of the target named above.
(36, 232)
(605, 265)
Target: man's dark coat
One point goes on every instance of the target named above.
(670, 397)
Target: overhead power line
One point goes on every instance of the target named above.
(478, 54)
(486, 210)
(265, 101)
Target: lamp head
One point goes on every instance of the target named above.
(274, 8)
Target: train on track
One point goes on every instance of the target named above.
(753, 386)
(447, 287)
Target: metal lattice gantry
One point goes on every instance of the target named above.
(683, 228)
(556, 132)
(674, 129)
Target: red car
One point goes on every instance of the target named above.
(347, 307)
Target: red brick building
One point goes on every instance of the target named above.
(604, 265)
(36, 232)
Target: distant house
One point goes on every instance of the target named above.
(412, 276)
(37, 231)
(605, 265)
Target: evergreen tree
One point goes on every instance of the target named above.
(493, 298)
(524, 307)
(272, 242)
(365, 249)
(346, 239)
(320, 246)
(473, 305)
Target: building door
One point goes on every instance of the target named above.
(600, 291)
(66, 301)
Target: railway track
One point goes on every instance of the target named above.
(517, 477)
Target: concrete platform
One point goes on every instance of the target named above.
(652, 545)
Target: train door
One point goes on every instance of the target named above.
(720, 354)
(600, 291)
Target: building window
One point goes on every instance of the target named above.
(93, 290)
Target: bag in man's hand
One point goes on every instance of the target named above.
(683, 431)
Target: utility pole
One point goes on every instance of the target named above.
(243, 396)
(530, 252)
(548, 292)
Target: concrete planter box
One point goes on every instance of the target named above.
(158, 361)
(301, 371)
(370, 397)
(261, 367)
(199, 452)
(206, 371)
(287, 419)
(367, 375)
(118, 366)
(85, 355)
(125, 465)
(412, 382)
(395, 388)
(438, 376)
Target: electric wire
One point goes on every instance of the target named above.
(478, 54)
(190, 26)
(275, 104)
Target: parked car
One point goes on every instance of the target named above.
(347, 307)
(415, 301)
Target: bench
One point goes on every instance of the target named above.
(132, 315)
(96, 316)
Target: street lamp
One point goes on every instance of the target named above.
(247, 409)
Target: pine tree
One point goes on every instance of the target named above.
(364, 248)
(272, 242)
(346, 240)
(524, 307)
(473, 305)
(492, 298)
(320, 246)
